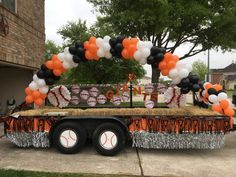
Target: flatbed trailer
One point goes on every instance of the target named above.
(110, 128)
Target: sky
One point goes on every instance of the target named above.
(59, 12)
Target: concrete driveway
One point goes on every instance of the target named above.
(199, 163)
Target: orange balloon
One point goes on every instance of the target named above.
(208, 85)
(86, 45)
(57, 64)
(54, 58)
(131, 49)
(92, 48)
(217, 108)
(43, 96)
(95, 57)
(28, 91)
(88, 55)
(206, 95)
(57, 72)
(165, 72)
(134, 41)
(125, 54)
(175, 58)
(162, 65)
(171, 64)
(229, 112)
(38, 101)
(126, 43)
(92, 40)
(217, 87)
(224, 104)
(36, 94)
(29, 99)
(49, 64)
(168, 56)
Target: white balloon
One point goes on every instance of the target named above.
(146, 52)
(143, 61)
(35, 78)
(66, 50)
(106, 46)
(106, 38)
(73, 64)
(108, 55)
(61, 56)
(100, 53)
(33, 85)
(68, 57)
(149, 44)
(222, 96)
(137, 55)
(41, 82)
(180, 65)
(213, 99)
(99, 42)
(176, 81)
(173, 73)
(44, 90)
(140, 45)
(66, 65)
(183, 73)
(189, 67)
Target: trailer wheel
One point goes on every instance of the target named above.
(108, 139)
(69, 137)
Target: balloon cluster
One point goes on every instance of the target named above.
(130, 47)
(169, 62)
(78, 52)
(189, 83)
(143, 51)
(157, 55)
(34, 96)
(55, 65)
(104, 47)
(214, 95)
(91, 49)
(116, 46)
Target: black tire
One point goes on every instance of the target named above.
(118, 134)
(78, 142)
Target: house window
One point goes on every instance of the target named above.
(9, 4)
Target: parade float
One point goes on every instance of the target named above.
(64, 116)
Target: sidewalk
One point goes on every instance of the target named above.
(207, 163)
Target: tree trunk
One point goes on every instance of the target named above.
(155, 80)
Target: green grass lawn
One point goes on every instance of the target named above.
(16, 173)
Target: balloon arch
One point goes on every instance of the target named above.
(129, 49)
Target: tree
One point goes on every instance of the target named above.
(51, 48)
(200, 69)
(104, 71)
(170, 23)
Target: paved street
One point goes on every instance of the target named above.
(204, 163)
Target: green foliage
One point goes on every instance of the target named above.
(171, 23)
(51, 48)
(200, 69)
(103, 71)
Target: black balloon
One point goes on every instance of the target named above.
(194, 79)
(195, 88)
(159, 57)
(113, 42)
(76, 59)
(49, 81)
(72, 50)
(184, 90)
(212, 91)
(48, 73)
(79, 44)
(163, 50)
(151, 60)
(40, 74)
(185, 82)
(120, 39)
(118, 47)
(80, 52)
(155, 50)
(44, 67)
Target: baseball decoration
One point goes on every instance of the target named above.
(125, 97)
(116, 100)
(59, 96)
(101, 99)
(174, 98)
(84, 95)
(75, 89)
(74, 100)
(94, 92)
(92, 101)
(108, 140)
(149, 104)
(149, 88)
(68, 138)
(161, 88)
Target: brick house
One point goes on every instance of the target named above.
(22, 38)
(225, 76)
